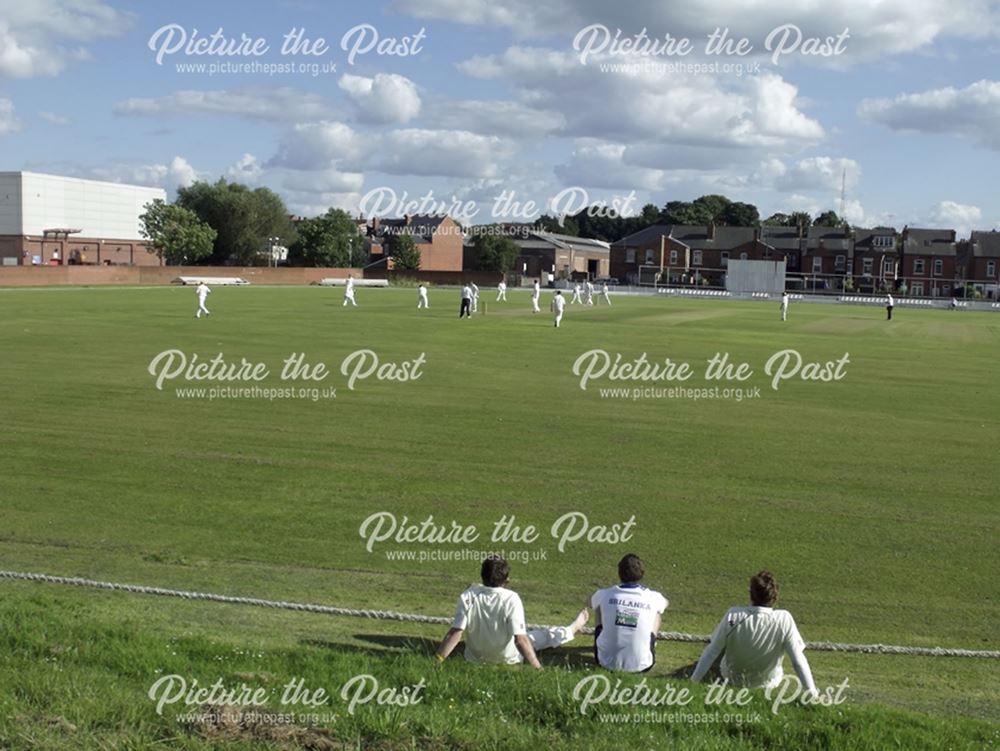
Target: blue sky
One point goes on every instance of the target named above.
(498, 99)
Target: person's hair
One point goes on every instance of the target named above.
(495, 571)
(763, 589)
(631, 569)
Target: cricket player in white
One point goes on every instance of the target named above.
(422, 297)
(203, 293)
(502, 291)
(784, 306)
(475, 296)
(577, 298)
(627, 618)
(753, 640)
(491, 617)
(536, 290)
(604, 293)
(349, 295)
(466, 309)
(557, 306)
(590, 293)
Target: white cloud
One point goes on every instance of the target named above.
(246, 170)
(449, 153)
(494, 118)
(386, 98)
(40, 37)
(879, 29)
(315, 146)
(971, 112)
(690, 110)
(177, 174)
(958, 216)
(819, 173)
(600, 164)
(54, 119)
(8, 119)
(281, 103)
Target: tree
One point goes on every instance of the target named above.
(551, 224)
(331, 240)
(495, 252)
(405, 256)
(175, 234)
(243, 219)
(778, 220)
(739, 214)
(828, 219)
(799, 219)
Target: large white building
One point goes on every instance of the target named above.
(49, 219)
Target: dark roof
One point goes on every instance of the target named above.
(781, 238)
(644, 236)
(986, 244)
(544, 240)
(695, 236)
(937, 242)
(866, 236)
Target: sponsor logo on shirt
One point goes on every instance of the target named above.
(626, 619)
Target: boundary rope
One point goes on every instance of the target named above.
(389, 615)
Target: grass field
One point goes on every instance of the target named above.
(873, 499)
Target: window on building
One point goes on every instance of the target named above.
(888, 267)
(882, 241)
(840, 263)
(696, 258)
(817, 264)
(673, 257)
(918, 289)
(850, 265)
(945, 289)
(743, 256)
(866, 266)
(725, 258)
(991, 268)
(938, 267)
(650, 257)
(630, 255)
(918, 266)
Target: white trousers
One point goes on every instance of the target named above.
(502, 295)
(201, 309)
(422, 303)
(350, 299)
(547, 638)
(607, 299)
(559, 316)
(784, 312)
(534, 304)
(576, 298)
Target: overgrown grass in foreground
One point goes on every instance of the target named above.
(82, 682)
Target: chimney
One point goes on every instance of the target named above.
(711, 230)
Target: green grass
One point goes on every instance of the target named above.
(873, 499)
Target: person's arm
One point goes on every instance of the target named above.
(716, 646)
(795, 649)
(523, 644)
(448, 643)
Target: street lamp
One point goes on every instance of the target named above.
(271, 244)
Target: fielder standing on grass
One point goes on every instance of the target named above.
(466, 309)
(889, 305)
(557, 306)
(475, 296)
(203, 293)
(784, 306)
(502, 291)
(576, 295)
(590, 292)
(422, 297)
(349, 293)
(604, 293)
(491, 617)
(536, 290)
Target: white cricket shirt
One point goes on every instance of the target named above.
(752, 641)
(490, 617)
(628, 614)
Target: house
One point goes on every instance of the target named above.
(876, 259)
(929, 261)
(543, 253)
(979, 261)
(438, 238)
(685, 253)
(829, 251)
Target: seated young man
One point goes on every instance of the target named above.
(492, 619)
(627, 617)
(753, 640)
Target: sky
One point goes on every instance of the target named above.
(504, 109)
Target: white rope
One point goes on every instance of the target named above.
(389, 615)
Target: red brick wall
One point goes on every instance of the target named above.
(28, 276)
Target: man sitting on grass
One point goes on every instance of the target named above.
(752, 642)
(492, 619)
(627, 617)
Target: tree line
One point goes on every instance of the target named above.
(229, 224)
